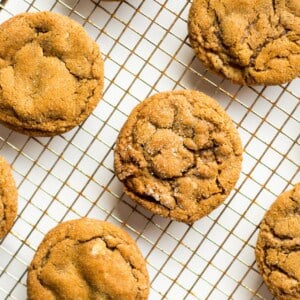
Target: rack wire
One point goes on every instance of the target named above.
(146, 50)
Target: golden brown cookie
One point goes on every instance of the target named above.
(250, 41)
(88, 259)
(179, 155)
(278, 246)
(51, 74)
(8, 198)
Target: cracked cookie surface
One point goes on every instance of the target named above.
(278, 246)
(8, 198)
(51, 74)
(179, 155)
(88, 259)
(250, 41)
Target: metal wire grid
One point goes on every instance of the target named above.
(146, 50)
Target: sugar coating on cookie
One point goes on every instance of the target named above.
(51, 74)
(8, 198)
(88, 259)
(178, 154)
(250, 41)
(278, 246)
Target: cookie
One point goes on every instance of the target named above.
(278, 246)
(8, 198)
(179, 155)
(87, 259)
(249, 42)
(51, 74)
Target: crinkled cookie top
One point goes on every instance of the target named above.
(248, 41)
(51, 73)
(178, 155)
(8, 198)
(88, 259)
(278, 246)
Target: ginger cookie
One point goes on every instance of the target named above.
(88, 259)
(179, 155)
(51, 74)
(249, 42)
(8, 198)
(278, 246)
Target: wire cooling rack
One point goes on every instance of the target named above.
(146, 50)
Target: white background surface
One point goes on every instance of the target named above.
(146, 50)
